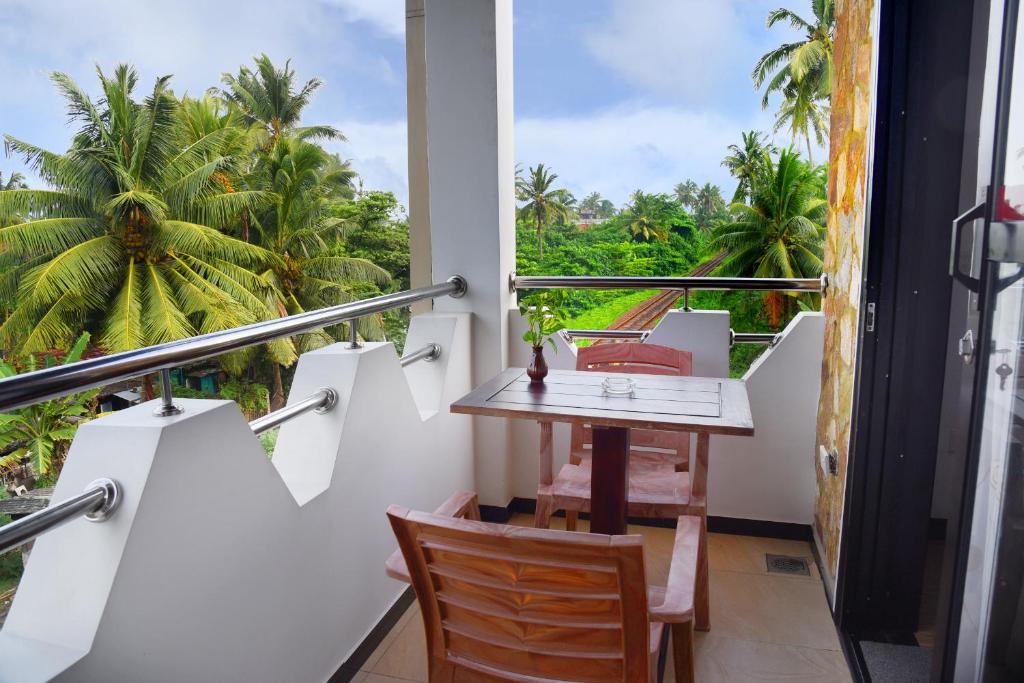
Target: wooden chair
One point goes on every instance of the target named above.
(659, 478)
(502, 603)
(663, 484)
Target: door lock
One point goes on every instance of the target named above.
(967, 346)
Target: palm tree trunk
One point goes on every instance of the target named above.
(540, 241)
(277, 395)
(810, 157)
(148, 392)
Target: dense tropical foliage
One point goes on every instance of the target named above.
(41, 433)
(127, 243)
(779, 232)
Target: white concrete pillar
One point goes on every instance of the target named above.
(471, 169)
(419, 181)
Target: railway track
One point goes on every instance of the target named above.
(646, 314)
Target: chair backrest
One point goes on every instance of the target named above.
(635, 357)
(523, 604)
(649, 359)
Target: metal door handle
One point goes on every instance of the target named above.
(972, 214)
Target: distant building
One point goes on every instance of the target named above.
(589, 218)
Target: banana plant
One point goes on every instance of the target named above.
(44, 430)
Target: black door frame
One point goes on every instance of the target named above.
(913, 193)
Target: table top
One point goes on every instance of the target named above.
(690, 404)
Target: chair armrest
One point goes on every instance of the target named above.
(462, 504)
(677, 606)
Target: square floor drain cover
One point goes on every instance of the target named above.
(784, 564)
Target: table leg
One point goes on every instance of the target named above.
(542, 514)
(698, 474)
(609, 481)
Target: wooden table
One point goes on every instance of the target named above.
(704, 406)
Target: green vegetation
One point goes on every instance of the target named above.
(173, 216)
(780, 232)
(43, 431)
(544, 317)
(543, 205)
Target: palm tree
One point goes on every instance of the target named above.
(42, 431)
(686, 194)
(802, 116)
(649, 216)
(802, 72)
(270, 98)
(709, 206)
(806, 63)
(747, 161)
(779, 233)
(305, 180)
(127, 242)
(598, 205)
(15, 181)
(543, 204)
(241, 141)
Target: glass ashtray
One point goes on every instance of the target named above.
(618, 386)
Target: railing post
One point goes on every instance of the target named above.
(353, 334)
(167, 407)
(686, 300)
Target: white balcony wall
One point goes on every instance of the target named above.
(224, 565)
(769, 476)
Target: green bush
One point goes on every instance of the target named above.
(11, 566)
(250, 396)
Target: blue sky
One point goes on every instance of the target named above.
(614, 95)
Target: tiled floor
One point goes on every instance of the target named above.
(764, 627)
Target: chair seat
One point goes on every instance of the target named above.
(654, 491)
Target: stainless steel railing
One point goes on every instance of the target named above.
(765, 284)
(571, 334)
(61, 380)
(96, 504)
(429, 353)
(769, 338)
(321, 401)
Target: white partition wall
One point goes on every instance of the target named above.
(705, 334)
(222, 565)
(771, 476)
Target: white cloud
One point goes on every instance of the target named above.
(691, 51)
(614, 151)
(617, 151)
(668, 47)
(387, 15)
(194, 40)
(379, 152)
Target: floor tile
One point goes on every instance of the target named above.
(728, 660)
(746, 554)
(406, 655)
(412, 613)
(367, 677)
(771, 609)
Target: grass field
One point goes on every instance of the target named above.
(604, 315)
